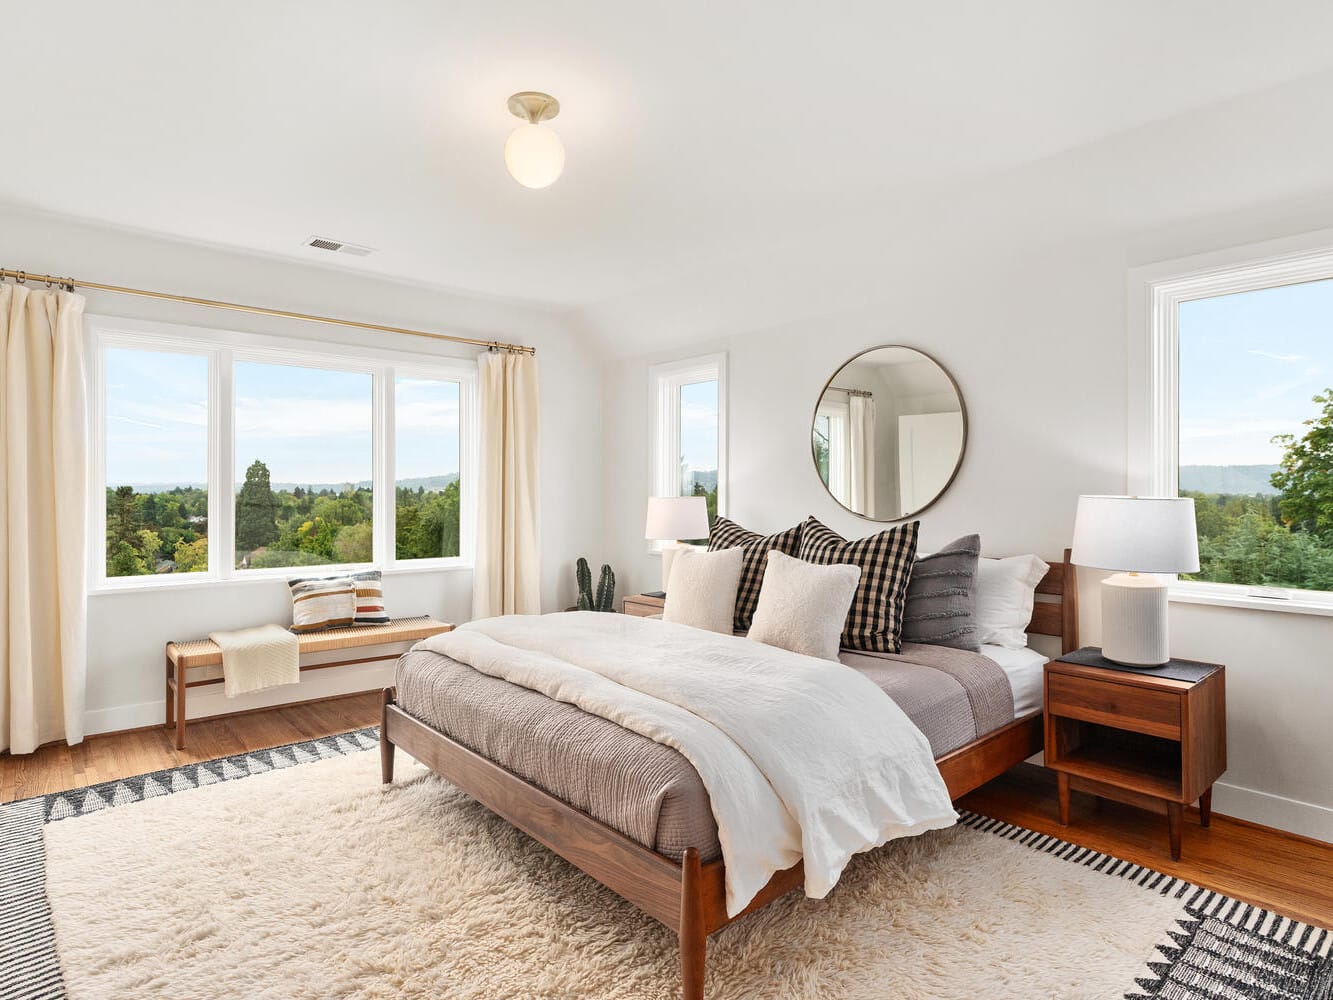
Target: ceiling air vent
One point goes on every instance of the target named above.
(337, 246)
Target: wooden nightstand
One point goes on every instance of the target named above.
(643, 605)
(1155, 738)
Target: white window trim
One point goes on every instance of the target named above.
(839, 447)
(664, 384)
(222, 348)
(1155, 294)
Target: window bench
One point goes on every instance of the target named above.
(204, 657)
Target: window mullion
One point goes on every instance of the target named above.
(384, 495)
(222, 488)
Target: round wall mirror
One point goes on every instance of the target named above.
(888, 433)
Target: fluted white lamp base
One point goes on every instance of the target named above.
(1134, 620)
(669, 552)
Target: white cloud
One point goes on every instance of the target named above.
(1284, 358)
(286, 419)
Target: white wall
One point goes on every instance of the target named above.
(1018, 286)
(127, 631)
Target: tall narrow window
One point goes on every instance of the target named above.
(156, 455)
(690, 457)
(698, 442)
(427, 452)
(304, 466)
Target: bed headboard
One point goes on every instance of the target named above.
(1056, 610)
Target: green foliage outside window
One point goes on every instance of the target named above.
(1284, 539)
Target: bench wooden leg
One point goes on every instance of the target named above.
(180, 709)
(693, 936)
(386, 748)
(171, 704)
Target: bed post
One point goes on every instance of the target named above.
(386, 748)
(693, 934)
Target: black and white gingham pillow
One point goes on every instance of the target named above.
(875, 622)
(729, 535)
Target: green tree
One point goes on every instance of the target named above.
(122, 519)
(353, 543)
(191, 557)
(1305, 475)
(256, 510)
(124, 561)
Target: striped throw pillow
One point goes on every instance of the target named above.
(370, 598)
(941, 603)
(322, 603)
(875, 622)
(729, 535)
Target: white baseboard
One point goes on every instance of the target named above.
(211, 701)
(1266, 809)
(113, 720)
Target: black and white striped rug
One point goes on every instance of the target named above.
(1215, 947)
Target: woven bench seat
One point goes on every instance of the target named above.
(199, 655)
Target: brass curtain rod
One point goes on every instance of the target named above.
(851, 392)
(53, 281)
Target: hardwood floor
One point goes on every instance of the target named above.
(119, 755)
(1290, 874)
(1276, 870)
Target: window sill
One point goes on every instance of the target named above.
(1223, 599)
(173, 582)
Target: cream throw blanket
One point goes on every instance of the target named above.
(258, 658)
(802, 758)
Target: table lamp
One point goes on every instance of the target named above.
(671, 519)
(1138, 537)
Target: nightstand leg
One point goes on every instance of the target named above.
(1206, 807)
(1175, 813)
(1062, 782)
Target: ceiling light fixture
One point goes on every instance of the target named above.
(534, 154)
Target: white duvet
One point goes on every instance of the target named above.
(802, 758)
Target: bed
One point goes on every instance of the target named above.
(633, 813)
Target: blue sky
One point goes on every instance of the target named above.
(308, 425)
(698, 425)
(1249, 365)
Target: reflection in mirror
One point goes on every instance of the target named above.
(888, 433)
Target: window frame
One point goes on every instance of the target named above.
(1156, 293)
(224, 348)
(665, 382)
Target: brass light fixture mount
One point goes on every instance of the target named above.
(533, 106)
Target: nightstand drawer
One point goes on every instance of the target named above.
(1156, 713)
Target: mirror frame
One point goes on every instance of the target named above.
(962, 449)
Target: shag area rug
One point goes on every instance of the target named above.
(292, 873)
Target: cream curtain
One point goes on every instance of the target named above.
(43, 518)
(861, 411)
(507, 579)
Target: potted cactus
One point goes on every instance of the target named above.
(605, 596)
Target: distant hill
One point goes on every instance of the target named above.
(1245, 480)
(430, 483)
(707, 478)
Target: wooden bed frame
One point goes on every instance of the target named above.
(689, 896)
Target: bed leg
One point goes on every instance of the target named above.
(386, 748)
(693, 935)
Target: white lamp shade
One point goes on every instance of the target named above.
(534, 156)
(1136, 534)
(670, 518)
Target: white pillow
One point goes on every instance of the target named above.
(701, 590)
(1006, 590)
(803, 606)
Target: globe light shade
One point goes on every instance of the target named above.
(534, 156)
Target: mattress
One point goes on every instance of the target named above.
(645, 790)
(1025, 669)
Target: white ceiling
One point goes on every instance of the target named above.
(695, 132)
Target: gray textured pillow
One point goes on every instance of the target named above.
(941, 604)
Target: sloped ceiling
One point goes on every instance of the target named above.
(699, 135)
